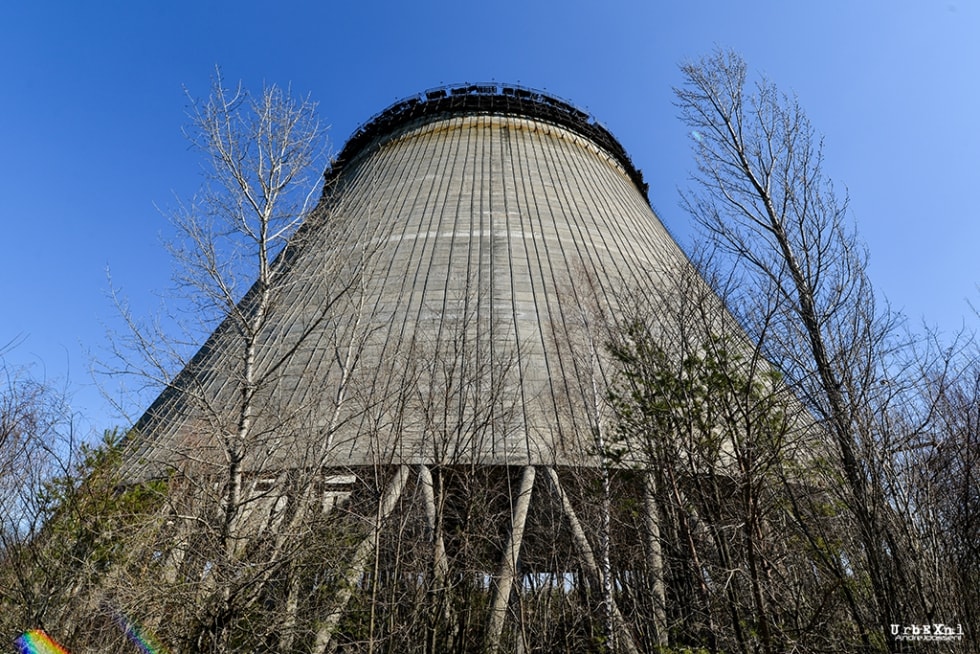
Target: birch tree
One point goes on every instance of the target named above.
(235, 241)
(762, 198)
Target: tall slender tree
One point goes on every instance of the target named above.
(763, 200)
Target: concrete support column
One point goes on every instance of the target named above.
(508, 566)
(440, 564)
(361, 558)
(625, 640)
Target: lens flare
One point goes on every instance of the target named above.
(143, 640)
(36, 641)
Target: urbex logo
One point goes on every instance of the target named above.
(933, 632)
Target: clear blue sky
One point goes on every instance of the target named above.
(92, 107)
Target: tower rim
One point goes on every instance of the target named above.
(488, 98)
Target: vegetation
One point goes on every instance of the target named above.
(796, 476)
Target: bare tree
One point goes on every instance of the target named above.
(763, 200)
(238, 458)
(63, 521)
(36, 448)
(940, 482)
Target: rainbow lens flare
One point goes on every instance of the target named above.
(143, 640)
(36, 641)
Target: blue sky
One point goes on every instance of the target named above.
(93, 105)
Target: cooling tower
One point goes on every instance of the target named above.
(435, 347)
(443, 304)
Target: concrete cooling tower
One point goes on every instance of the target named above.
(470, 239)
(436, 335)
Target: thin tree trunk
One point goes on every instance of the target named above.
(655, 560)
